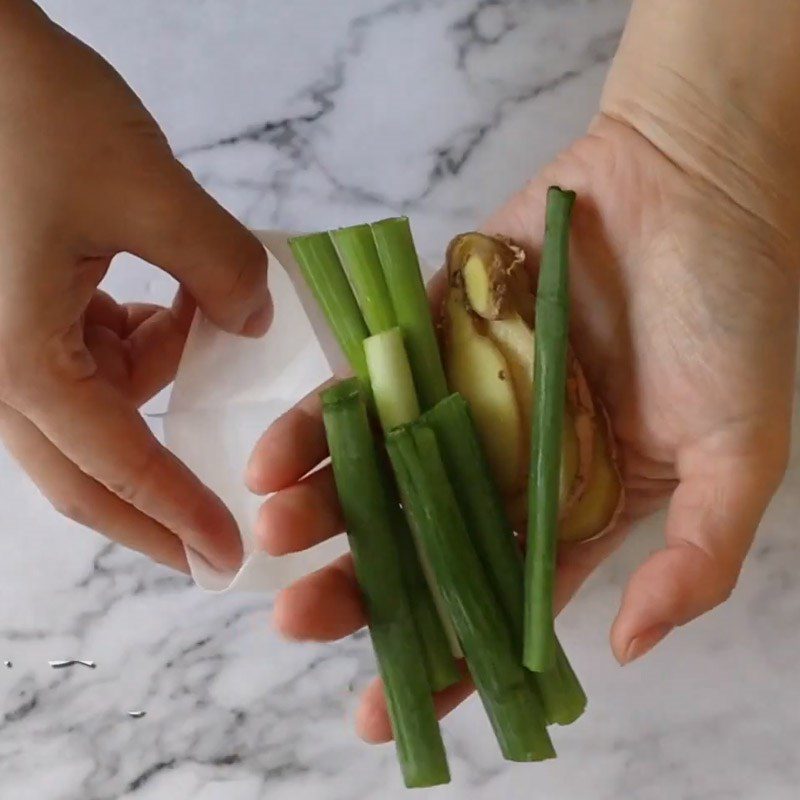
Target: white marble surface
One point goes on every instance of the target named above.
(310, 113)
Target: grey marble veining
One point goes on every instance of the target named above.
(308, 114)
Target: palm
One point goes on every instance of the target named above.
(684, 318)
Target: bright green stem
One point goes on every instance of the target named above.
(493, 538)
(396, 401)
(367, 503)
(356, 249)
(480, 503)
(510, 700)
(562, 694)
(401, 269)
(436, 639)
(549, 386)
(324, 274)
(391, 379)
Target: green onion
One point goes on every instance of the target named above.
(479, 501)
(493, 538)
(356, 249)
(367, 505)
(324, 274)
(549, 384)
(390, 378)
(510, 701)
(401, 269)
(563, 696)
(433, 625)
(396, 401)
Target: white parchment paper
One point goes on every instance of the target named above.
(228, 390)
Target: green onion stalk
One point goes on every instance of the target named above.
(323, 273)
(493, 538)
(401, 269)
(339, 267)
(549, 386)
(369, 510)
(511, 702)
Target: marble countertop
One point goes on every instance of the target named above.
(305, 114)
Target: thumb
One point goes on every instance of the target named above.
(170, 221)
(711, 523)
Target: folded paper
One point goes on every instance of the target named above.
(227, 391)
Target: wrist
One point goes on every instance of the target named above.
(712, 85)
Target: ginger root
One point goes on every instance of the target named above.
(488, 354)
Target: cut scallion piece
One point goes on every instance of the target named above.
(356, 249)
(323, 272)
(391, 379)
(401, 269)
(433, 625)
(480, 502)
(510, 701)
(367, 503)
(396, 402)
(549, 386)
(493, 538)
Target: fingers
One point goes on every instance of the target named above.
(437, 290)
(137, 346)
(711, 522)
(110, 354)
(290, 448)
(300, 516)
(98, 429)
(156, 341)
(104, 310)
(72, 394)
(82, 499)
(323, 606)
(372, 719)
(326, 606)
(170, 221)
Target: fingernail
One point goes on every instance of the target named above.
(645, 642)
(258, 322)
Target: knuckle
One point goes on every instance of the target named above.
(30, 370)
(724, 588)
(135, 484)
(721, 577)
(251, 269)
(73, 509)
(200, 512)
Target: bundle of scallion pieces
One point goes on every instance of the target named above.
(435, 553)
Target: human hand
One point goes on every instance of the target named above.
(86, 173)
(684, 317)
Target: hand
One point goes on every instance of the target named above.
(684, 315)
(86, 173)
(684, 318)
